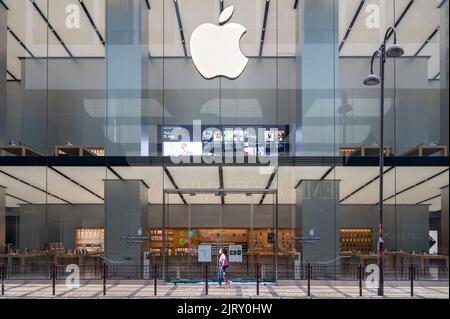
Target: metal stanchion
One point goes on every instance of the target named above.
(411, 277)
(53, 279)
(104, 275)
(258, 274)
(308, 277)
(155, 279)
(360, 277)
(206, 278)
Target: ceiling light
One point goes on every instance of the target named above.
(372, 79)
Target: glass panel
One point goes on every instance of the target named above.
(76, 92)
(299, 112)
(24, 134)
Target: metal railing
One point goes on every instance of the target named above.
(183, 272)
(239, 273)
(208, 273)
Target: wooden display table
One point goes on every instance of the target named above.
(362, 258)
(78, 259)
(405, 259)
(427, 150)
(73, 150)
(19, 150)
(365, 259)
(395, 257)
(365, 150)
(347, 151)
(372, 150)
(423, 258)
(23, 258)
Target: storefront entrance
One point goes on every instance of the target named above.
(248, 232)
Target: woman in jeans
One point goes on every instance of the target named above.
(223, 266)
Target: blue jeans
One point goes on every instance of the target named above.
(220, 276)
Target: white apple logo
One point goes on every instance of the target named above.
(215, 49)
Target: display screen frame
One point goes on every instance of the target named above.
(234, 138)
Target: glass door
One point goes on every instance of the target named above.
(246, 231)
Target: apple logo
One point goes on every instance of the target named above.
(215, 49)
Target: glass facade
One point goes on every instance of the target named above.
(115, 149)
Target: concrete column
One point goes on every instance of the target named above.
(317, 215)
(127, 58)
(317, 74)
(3, 54)
(444, 220)
(2, 218)
(126, 216)
(443, 47)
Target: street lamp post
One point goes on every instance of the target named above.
(392, 51)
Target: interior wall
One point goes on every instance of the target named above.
(61, 220)
(435, 224)
(2, 219)
(233, 216)
(34, 103)
(249, 100)
(444, 220)
(3, 54)
(412, 221)
(76, 103)
(406, 227)
(64, 98)
(444, 65)
(412, 105)
(13, 111)
(77, 106)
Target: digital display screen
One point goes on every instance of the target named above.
(183, 149)
(178, 140)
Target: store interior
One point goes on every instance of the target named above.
(40, 228)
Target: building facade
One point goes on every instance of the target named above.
(136, 133)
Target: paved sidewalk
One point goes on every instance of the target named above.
(198, 291)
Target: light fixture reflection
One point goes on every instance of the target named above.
(371, 80)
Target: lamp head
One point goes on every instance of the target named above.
(395, 51)
(372, 79)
